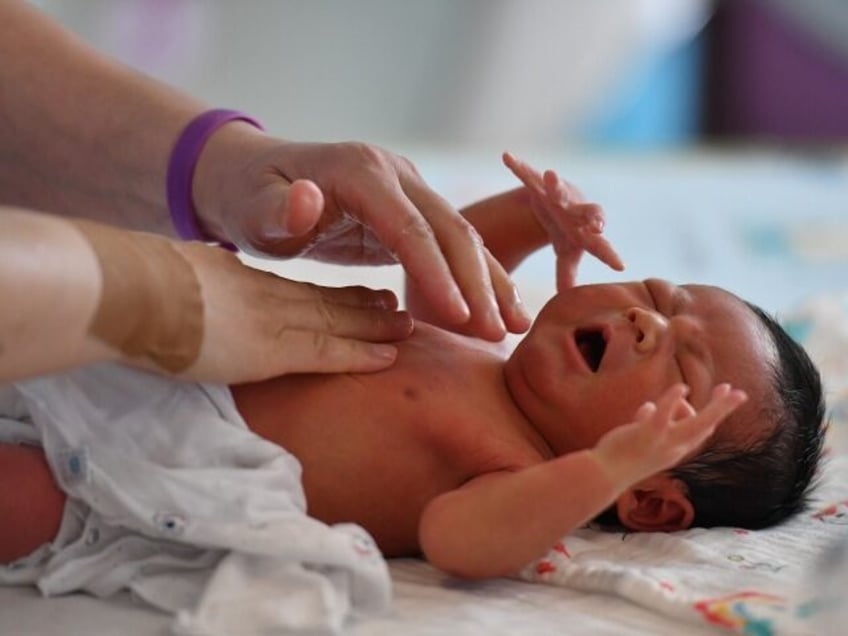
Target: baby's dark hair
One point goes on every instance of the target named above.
(770, 481)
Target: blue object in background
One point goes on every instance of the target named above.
(658, 103)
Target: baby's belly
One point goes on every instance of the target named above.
(385, 492)
(386, 483)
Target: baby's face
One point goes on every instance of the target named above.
(597, 352)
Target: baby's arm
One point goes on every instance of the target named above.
(31, 503)
(499, 522)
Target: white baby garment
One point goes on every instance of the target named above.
(171, 496)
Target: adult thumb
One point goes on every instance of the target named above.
(288, 210)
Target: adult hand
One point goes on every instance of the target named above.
(86, 292)
(257, 325)
(573, 225)
(351, 199)
(348, 203)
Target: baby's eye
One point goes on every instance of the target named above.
(652, 297)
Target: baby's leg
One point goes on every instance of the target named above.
(31, 503)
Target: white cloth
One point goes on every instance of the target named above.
(768, 582)
(172, 497)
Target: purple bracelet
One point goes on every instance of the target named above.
(181, 167)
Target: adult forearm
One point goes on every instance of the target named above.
(49, 286)
(82, 134)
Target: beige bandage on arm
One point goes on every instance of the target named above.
(150, 300)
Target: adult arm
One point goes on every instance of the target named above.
(85, 135)
(82, 134)
(77, 292)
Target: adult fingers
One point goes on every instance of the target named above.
(414, 242)
(354, 312)
(514, 314)
(277, 218)
(306, 351)
(478, 277)
(295, 209)
(354, 295)
(340, 319)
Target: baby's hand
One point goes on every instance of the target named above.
(573, 225)
(663, 433)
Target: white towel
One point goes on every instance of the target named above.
(173, 498)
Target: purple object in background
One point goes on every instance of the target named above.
(769, 78)
(165, 38)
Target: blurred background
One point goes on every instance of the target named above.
(713, 132)
(500, 72)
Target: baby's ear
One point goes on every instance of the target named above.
(656, 504)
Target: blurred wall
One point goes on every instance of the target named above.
(499, 72)
(778, 71)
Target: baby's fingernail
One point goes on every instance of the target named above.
(740, 395)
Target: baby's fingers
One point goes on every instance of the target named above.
(670, 403)
(527, 175)
(692, 430)
(559, 194)
(645, 412)
(601, 249)
(723, 401)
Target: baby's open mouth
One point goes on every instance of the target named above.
(591, 344)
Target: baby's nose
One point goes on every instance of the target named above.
(649, 326)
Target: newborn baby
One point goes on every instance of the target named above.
(654, 405)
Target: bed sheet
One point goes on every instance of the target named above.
(772, 228)
(426, 603)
